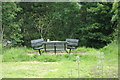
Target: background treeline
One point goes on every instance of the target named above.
(94, 24)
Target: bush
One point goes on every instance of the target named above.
(111, 48)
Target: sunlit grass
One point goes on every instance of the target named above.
(17, 64)
(65, 69)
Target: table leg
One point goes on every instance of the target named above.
(39, 52)
(65, 48)
(55, 48)
(45, 47)
(70, 51)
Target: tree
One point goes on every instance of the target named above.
(97, 28)
(10, 26)
(116, 18)
(92, 23)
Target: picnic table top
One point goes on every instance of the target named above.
(54, 42)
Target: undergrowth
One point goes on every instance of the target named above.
(111, 48)
(20, 54)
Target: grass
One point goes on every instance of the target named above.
(19, 54)
(0, 61)
(60, 66)
(54, 70)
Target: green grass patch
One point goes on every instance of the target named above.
(20, 54)
(111, 48)
(17, 64)
(64, 69)
(111, 53)
(16, 54)
(85, 49)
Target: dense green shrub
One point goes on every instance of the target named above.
(111, 48)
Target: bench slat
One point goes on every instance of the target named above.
(54, 49)
(37, 42)
(72, 42)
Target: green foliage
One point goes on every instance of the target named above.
(96, 31)
(56, 70)
(15, 54)
(115, 11)
(11, 28)
(92, 23)
(64, 66)
(116, 18)
(21, 54)
(85, 49)
(45, 58)
(111, 48)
